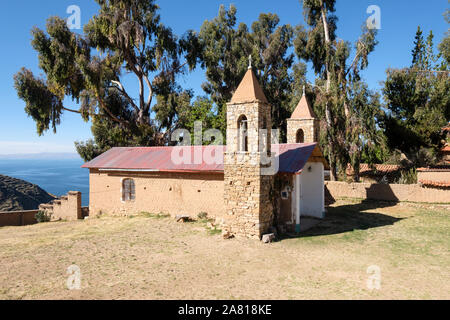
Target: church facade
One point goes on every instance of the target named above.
(253, 184)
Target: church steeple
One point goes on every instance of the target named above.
(249, 89)
(304, 109)
(247, 185)
(303, 126)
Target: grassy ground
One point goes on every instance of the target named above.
(153, 257)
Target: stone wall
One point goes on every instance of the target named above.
(170, 193)
(256, 113)
(247, 196)
(66, 208)
(310, 129)
(386, 192)
(247, 191)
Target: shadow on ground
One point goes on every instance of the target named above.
(348, 218)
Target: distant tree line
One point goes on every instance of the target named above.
(128, 37)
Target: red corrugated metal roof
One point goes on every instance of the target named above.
(293, 158)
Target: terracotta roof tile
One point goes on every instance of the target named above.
(444, 168)
(249, 90)
(437, 184)
(446, 148)
(364, 168)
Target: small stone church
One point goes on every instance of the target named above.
(252, 185)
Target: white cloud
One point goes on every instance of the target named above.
(24, 147)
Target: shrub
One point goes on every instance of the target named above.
(202, 216)
(41, 217)
(408, 177)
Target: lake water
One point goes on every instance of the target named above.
(54, 176)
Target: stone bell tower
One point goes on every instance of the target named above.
(303, 126)
(247, 186)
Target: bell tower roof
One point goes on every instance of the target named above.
(303, 110)
(249, 90)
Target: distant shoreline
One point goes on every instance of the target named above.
(41, 156)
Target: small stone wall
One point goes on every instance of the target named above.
(386, 192)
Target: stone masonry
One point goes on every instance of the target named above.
(303, 118)
(247, 193)
(310, 129)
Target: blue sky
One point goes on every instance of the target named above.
(399, 21)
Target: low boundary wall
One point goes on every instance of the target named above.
(386, 192)
(26, 217)
(18, 218)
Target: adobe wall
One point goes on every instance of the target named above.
(171, 193)
(18, 218)
(387, 192)
(435, 176)
(66, 208)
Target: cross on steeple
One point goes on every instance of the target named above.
(250, 61)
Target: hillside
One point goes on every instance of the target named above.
(16, 194)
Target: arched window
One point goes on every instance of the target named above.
(243, 134)
(300, 137)
(128, 190)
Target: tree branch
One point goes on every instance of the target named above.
(355, 59)
(123, 91)
(150, 94)
(105, 108)
(70, 110)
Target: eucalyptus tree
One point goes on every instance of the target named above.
(125, 38)
(337, 72)
(225, 48)
(418, 101)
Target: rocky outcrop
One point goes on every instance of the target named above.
(16, 195)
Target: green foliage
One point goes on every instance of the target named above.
(417, 101)
(214, 232)
(42, 217)
(418, 53)
(408, 177)
(341, 98)
(202, 216)
(226, 47)
(129, 38)
(155, 216)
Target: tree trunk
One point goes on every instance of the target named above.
(333, 173)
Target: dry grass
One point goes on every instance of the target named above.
(152, 257)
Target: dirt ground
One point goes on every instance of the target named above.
(153, 257)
